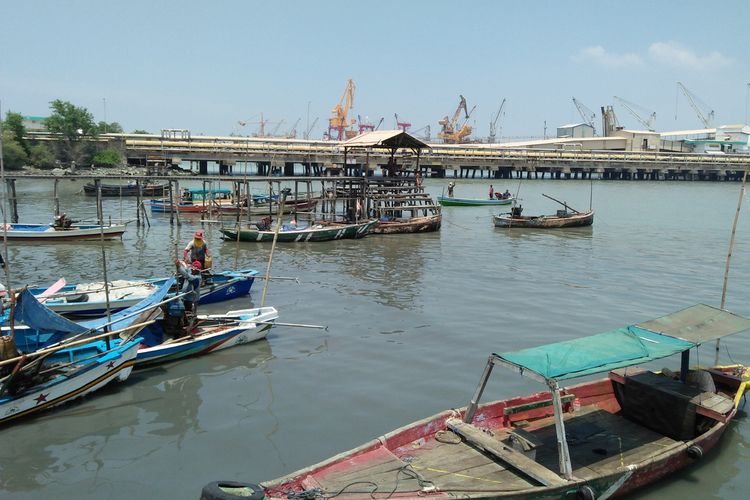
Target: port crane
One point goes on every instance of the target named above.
(292, 134)
(426, 135)
(366, 126)
(262, 125)
(646, 122)
(449, 133)
(493, 122)
(339, 122)
(309, 129)
(402, 125)
(588, 116)
(706, 119)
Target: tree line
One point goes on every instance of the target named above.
(73, 132)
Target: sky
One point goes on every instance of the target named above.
(207, 65)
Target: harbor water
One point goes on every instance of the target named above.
(411, 320)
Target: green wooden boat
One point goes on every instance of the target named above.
(447, 201)
(321, 231)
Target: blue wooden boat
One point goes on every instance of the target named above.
(31, 390)
(210, 333)
(41, 327)
(193, 201)
(88, 300)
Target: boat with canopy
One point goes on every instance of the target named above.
(599, 438)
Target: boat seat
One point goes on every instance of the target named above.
(511, 410)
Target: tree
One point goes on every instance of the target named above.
(107, 158)
(42, 157)
(14, 157)
(73, 123)
(14, 123)
(109, 128)
(139, 131)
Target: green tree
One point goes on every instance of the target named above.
(14, 123)
(139, 131)
(73, 123)
(42, 157)
(14, 157)
(107, 158)
(109, 128)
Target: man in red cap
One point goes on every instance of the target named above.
(196, 250)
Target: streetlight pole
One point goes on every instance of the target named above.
(307, 122)
(104, 101)
(747, 92)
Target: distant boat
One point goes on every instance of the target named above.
(399, 225)
(562, 218)
(321, 231)
(472, 202)
(48, 232)
(147, 190)
(193, 201)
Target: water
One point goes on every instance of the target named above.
(411, 321)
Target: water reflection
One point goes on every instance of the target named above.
(156, 406)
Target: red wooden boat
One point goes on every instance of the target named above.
(596, 439)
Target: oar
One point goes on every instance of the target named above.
(561, 203)
(290, 278)
(55, 287)
(298, 325)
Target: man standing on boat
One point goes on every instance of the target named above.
(451, 185)
(191, 285)
(196, 250)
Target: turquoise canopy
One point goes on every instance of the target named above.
(627, 346)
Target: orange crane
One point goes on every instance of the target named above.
(450, 133)
(339, 122)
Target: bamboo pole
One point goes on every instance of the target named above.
(729, 257)
(282, 199)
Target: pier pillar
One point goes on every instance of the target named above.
(203, 167)
(289, 169)
(13, 200)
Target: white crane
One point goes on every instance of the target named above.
(706, 119)
(588, 116)
(648, 123)
(493, 122)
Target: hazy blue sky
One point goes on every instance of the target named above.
(206, 65)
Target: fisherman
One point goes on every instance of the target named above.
(492, 193)
(451, 185)
(506, 194)
(191, 284)
(418, 179)
(196, 250)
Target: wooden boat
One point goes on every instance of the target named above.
(400, 210)
(192, 201)
(210, 333)
(58, 382)
(41, 327)
(48, 232)
(472, 202)
(320, 231)
(562, 218)
(264, 208)
(397, 225)
(88, 299)
(147, 190)
(597, 439)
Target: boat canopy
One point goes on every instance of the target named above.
(627, 346)
(209, 191)
(37, 316)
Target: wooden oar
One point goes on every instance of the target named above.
(298, 325)
(48, 350)
(561, 203)
(54, 288)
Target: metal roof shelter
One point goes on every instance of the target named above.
(392, 140)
